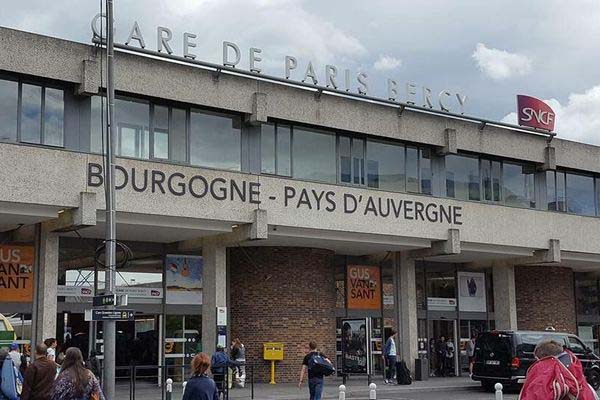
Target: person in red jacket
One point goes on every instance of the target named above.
(556, 375)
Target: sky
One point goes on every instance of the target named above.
(489, 50)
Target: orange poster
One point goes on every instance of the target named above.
(16, 273)
(363, 287)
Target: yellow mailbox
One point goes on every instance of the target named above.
(273, 351)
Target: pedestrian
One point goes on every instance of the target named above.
(390, 353)
(471, 352)
(433, 363)
(93, 364)
(15, 354)
(315, 378)
(556, 374)
(51, 344)
(38, 380)
(75, 382)
(441, 355)
(238, 354)
(200, 386)
(220, 363)
(11, 380)
(449, 358)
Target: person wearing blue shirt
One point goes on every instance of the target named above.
(200, 386)
(390, 353)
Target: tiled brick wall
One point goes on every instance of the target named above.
(545, 297)
(282, 294)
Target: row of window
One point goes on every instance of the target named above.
(35, 114)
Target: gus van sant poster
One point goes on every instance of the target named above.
(16, 274)
(184, 279)
(363, 287)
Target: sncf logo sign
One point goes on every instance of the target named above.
(535, 113)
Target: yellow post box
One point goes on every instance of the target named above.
(273, 351)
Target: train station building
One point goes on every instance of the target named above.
(271, 211)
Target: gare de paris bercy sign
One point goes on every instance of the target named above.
(334, 77)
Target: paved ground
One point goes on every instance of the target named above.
(357, 389)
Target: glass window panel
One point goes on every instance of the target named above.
(284, 150)
(517, 186)
(54, 111)
(580, 194)
(486, 180)
(96, 126)
(425, 169)
(345, 160)
(412, 169)
(358, 161)
(178, 136)
(314, 156)
(215, 140)
(9, 98)
(561, 194)
(31, 113)
(598, 196)
(587, 294)
(385, 166)
(551, 190)
(462, 177)
(496, 179)
(441, 282)
(267, 148)
(132, 119)
(161, 132)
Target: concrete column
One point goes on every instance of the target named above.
(214, 291)
(407, 333)
(46, 280)
(505, 297)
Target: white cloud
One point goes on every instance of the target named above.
(386, 63)
(500, 64)
(578, 120)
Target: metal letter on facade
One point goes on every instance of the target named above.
(440, 96)
(411, 90)
(187, 44)
(236, 50)
(136, 34)
(255, 59)
(290, 64)
(362, 81)
(392, 90)
(162, 41)
(310, 73)
(427, 97)
(330, 74)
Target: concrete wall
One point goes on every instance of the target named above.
(26, 53)
(282, 294)
(545, 297)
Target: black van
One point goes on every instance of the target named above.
(505, 356)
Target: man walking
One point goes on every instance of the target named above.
(315, 378)
(390, 357)
(39, 377)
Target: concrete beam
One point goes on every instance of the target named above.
(256, 230)
(549, 159)
(89, 83)
(406, 308)
(440, 247)
(259, 109)
(550, 256)
(450, 143)
(214, 291)
(76, 218)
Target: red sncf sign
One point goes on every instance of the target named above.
(535, 113)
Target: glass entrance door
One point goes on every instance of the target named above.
(443, 348)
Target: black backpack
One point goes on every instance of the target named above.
(403, 373)
(318, 365)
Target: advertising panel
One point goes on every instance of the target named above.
(184, 279)
(354, 346)
(363, 287)
(535, 113)
(16, 273)
(471, 291)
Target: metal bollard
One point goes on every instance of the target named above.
(183, 391)
(373, 391)
(169, 389)
(498, 387)
(342, 395)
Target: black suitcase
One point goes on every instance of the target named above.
(403, 373)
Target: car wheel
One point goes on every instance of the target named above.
(593, 379)
(488, 386)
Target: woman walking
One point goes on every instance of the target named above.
(75, 381)
(200, 386)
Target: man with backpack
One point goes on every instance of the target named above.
(318, 365)
(11, 381)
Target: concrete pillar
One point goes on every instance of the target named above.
(505, 298)
(407, 307)
(46, 280)
(214, 291)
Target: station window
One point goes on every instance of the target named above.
(275, 149)
(215, 140)
(9, 100)
(462, 177)
(385, 166)
(352, 160)
(313, 155)
(518, 185)
(132, 118)
(491, 176)
(573, 193)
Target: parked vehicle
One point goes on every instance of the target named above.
(505, 356)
